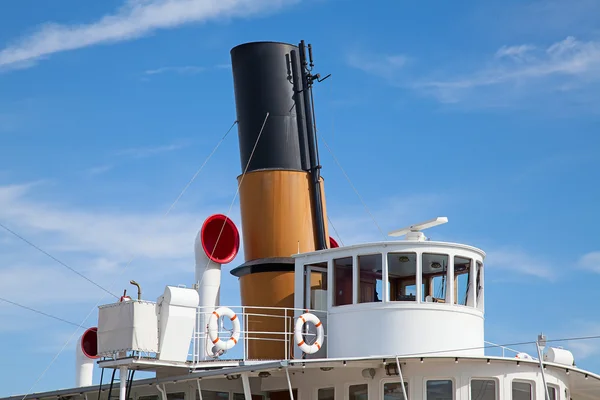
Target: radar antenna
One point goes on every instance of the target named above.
(413, 232)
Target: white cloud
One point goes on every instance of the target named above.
(385, 66)
(567, 65)
(515, 52)
(519, 262)
(143, 152)
(185, 70)
(590, 261)
(355, 225)
(136, 153)
(97, 244)
(104, 233)
(512, 73)
(136, 18)
(99, 169)
(582, 349)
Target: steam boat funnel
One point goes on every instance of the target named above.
(282, 197)
(86, 353)
(217, 243)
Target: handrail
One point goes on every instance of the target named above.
(502, 347)
(284, 334)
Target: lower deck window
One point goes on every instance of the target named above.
(393, 391)
(358, 392)
(326, 394)
(241, 396)
(440, 390)
(483, 389)
(212, 395)
(552, 391)
(521, 391)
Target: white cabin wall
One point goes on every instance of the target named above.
(371, 329)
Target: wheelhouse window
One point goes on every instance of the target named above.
(435, 276)
(370, 269)
(440, 390)
(343, 282)
(483, 389)
(402, 276)
(393, 391)
(462, 280)
(315, 287)
(358, 392)
(479, 286)
(521, 391)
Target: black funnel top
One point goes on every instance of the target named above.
(262, 83)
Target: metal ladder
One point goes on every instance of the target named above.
(116, 379)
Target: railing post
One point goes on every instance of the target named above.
(246, 323)
(285, 338)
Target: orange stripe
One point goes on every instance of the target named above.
(301, 343)
(302, 318)
(214, 312)
(318, 345)
(234, 317)
(216, 340)
(234, 341)
(318, 325)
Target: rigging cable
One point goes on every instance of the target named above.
(236, 192)
(497, 346)
(40, 312)
(128, 263)
(55, 259)
(353, 187)
(335, 230)
(233, 201)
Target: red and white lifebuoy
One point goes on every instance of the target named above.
(213, 328)
(523, 356)
(299, 337)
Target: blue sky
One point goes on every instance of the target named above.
(485, 112)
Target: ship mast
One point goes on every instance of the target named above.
(303, 80)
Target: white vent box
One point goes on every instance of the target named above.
(177, 309)
(127, 326)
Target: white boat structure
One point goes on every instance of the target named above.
(391, 320)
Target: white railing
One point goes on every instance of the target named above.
(490, 345)
(277, 326)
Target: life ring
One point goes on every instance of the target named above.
(523, 356)
(213, 328)
(299, 337)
